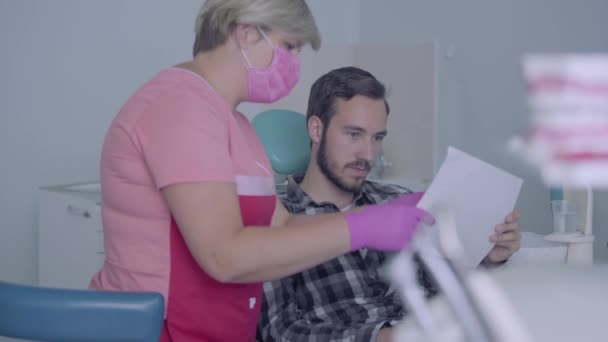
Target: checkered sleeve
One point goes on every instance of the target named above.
(281, 319)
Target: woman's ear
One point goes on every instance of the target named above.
(315, 129)
(245, 35)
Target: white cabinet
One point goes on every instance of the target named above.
(70, 235)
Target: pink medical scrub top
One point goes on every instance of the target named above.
(177, 129)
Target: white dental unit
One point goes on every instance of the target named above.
(539, 302)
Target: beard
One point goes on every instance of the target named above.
(326, 169)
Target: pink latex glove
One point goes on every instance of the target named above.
(389, 226)
(410, 200)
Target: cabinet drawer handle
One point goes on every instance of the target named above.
(78, 211)
(101, 253)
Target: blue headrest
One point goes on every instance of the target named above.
(284, 135)
(37, 313)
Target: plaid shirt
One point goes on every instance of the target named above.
(344, 299)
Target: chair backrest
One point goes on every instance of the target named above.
(45, 314)
(284, 135)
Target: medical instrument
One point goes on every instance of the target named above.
(569, 144)
(466, 307)
(579, 241)
(568, 141)
(568, 99)
(523, 304)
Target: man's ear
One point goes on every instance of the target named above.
(315, 129)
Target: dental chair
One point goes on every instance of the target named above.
(46, 314)
(284, 135)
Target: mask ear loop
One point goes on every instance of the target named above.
(267, 40)
(246, 58)
(265, 36)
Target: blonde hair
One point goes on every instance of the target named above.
(217, 19)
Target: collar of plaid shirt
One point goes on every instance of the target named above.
(370, 193)
(344, 299)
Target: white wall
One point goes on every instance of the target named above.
(481, 100)
(66, 67)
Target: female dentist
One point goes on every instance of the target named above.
(187, 192)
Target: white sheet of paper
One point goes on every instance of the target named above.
(478, 194)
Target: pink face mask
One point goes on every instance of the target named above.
(270, 84)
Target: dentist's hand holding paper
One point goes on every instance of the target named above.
(400, 219)
(506, 236)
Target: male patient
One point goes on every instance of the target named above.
(346, 299)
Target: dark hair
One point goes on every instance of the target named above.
(344, 83)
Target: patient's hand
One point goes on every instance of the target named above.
(507, 239)
(385, 335)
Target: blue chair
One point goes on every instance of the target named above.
(45, 314)
(284, 134)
